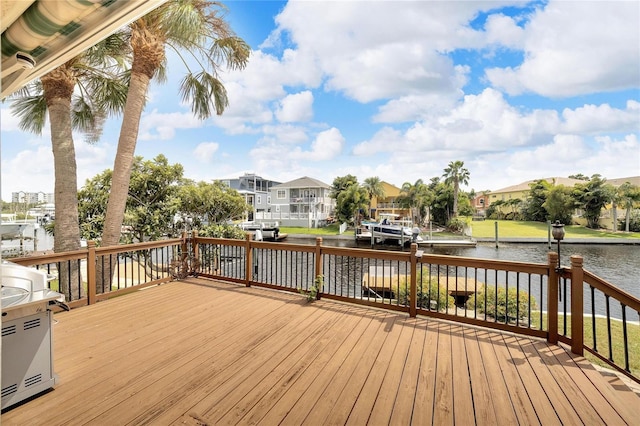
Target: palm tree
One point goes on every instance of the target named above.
(628, 195)
(417, 198)
(456, 174)
(374, 187)
(77, 95)
(194, 26)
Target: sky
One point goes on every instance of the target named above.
(516, 90)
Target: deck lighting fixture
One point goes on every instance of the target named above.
(558, 235)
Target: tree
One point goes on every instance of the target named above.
(152, 201)
(591, 197)
(628, 197)
(340, 184)
(350, 202)
(417, 197)
(533, 208)
(374, 187)
(77, 95)
(212, 203)
(193, 26)
(559, 204)
(579, 176)
(455, 174)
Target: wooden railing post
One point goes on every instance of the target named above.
(577, 306)
(195, 252)
(552, 299)
(413, 291)
(318, 266)
(91, 272)
(248, 271)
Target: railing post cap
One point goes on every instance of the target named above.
(576, 260)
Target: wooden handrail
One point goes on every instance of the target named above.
(611, 290)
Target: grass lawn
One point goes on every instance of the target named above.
(512, 228)
(333, 229)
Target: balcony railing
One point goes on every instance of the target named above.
(526, 298)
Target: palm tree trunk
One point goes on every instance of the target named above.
(122, 173)
(456, 189)
(58, 89)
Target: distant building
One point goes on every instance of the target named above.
(301, 202)
(32, 197)
(388, 204)
(255, 190)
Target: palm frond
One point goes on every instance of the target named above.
(205, 93)
(87, 119)
(234, 51)
(32, 111)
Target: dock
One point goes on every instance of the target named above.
(446, 243)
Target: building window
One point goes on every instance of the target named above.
(268, 199)
(282, 194)
(258, 199)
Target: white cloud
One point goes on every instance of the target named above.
(296, 107)
(205, 151)
(574, 48)
(162, 126)
(327, 145)
(9, 121)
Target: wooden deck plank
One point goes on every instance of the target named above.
(284, 370)
(388, 392)
(363, 406)
(547, 414)
(596, 390)
(139, 369)
(291, 386)
(208, 378)
(320, 397)
(302, 396)
(546, 393)
(340, 381)
(424, 398)
(481, 390)
(462, 396)
(405, 401)
(583, 403)
(500, 393)
(443, 403)
(202, 351)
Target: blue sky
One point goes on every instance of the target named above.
(517, 90)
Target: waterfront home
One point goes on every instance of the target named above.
(255, 190)
(301, 202)
(388, 204)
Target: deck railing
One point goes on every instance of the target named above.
(525, 298)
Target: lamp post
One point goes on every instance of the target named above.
(558, 235)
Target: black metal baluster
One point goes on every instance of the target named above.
(606, 298)
(593, 318)
(625, 337)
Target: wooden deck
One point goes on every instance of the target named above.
(200, 352)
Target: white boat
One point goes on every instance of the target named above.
(392, 230)
(268, 230)
(12, 230)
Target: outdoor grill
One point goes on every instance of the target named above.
(27, 340)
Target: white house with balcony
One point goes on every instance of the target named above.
(301, 202)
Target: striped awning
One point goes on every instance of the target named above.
(39, 35)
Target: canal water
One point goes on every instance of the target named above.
(616, 263)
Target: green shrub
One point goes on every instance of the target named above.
(427, 291)
(506, 307)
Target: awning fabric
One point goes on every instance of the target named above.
(43, 22)
(54, 31)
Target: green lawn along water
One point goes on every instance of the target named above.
(515, 229)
